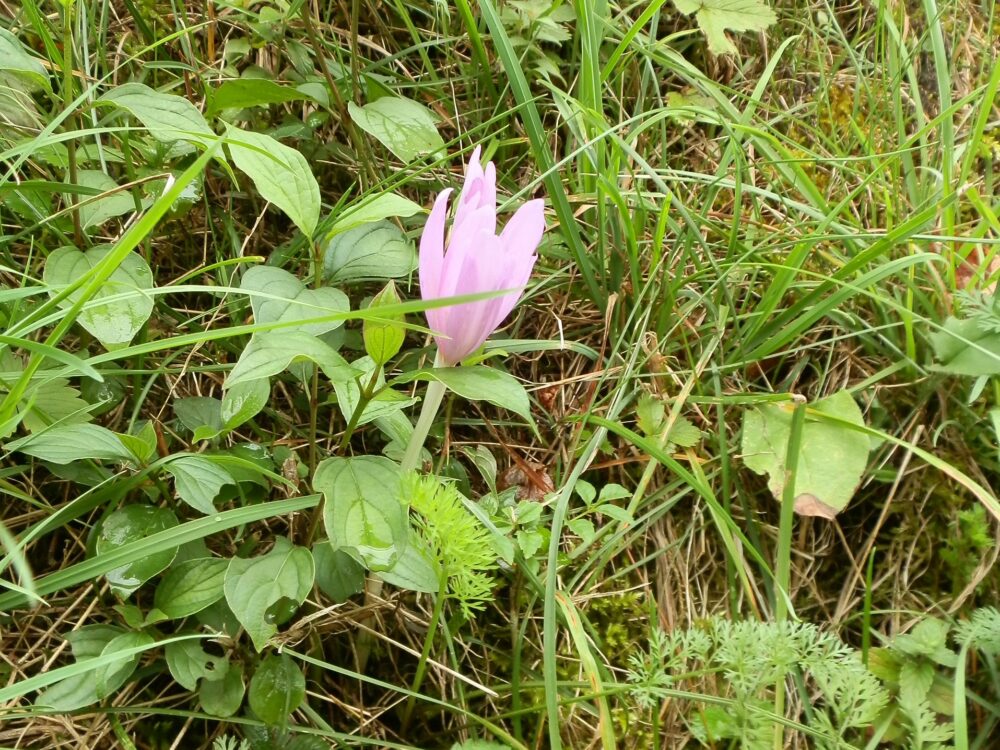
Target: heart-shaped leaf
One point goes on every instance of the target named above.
(405, 127)
(120, 308)
(277, 688)
(377, 250)
(198, 480)
(280, 174)
(363, 513)
(256, 586)
(130, 524)
(282, 298)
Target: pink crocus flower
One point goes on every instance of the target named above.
(475, 259)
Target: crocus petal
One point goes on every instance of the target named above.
(461, 245)
(470, 324)
(432, 247)
(525, 228)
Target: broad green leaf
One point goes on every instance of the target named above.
(188, 662)
(288, 300)
(479, 383)
(252, 92)
(363, 513)
(258, 589)
(18, 108)
(957, 356)
(716, 16)
(79, 690)
(269, 353)
(74, 442)
(15, 59)
(382, 206)
(191, 586)
(54, 401)
(384, 338)
(119, 310)
(385, 403)
(338, 575)
(832, 458)
(198, 480)
(377, 250)
(683, 433)
(167, 117)
(280, 174)
(97, 210)
(242, 402)
(109, 678)
(405, 127)
(277, 688)
(142, 445)
(414, 570)
(223, 696)
(199, 412)
(130, 524)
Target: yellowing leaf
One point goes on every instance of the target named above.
(715, 16)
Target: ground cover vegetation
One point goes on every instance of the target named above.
(725, 478)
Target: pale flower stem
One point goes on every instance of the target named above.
(429, 409)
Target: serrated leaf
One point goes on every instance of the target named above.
(167, 117)
(116, 312)
(376, 250)
(191, 586)
(716, 16)
(915, 680)
(405, 127)
(268, 354)
(370, 210)
(289, 300)
(54, 401)
(256, 586)
(363, 513)
(280, 174)
(277, 688)
(649, 414)
(130, 524)
(74, 442)
(683, 433)
(832, 458)
(197, 481)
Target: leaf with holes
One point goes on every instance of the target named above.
(259, 590)
(120, 308)
(363, 513)
(188, 662)
(405, 127)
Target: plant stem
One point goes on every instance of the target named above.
(425, 653)
(432, 400)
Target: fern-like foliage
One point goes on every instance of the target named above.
(458, 543)
(749, 658)
(981, 631)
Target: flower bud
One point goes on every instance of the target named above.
(384, 338)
